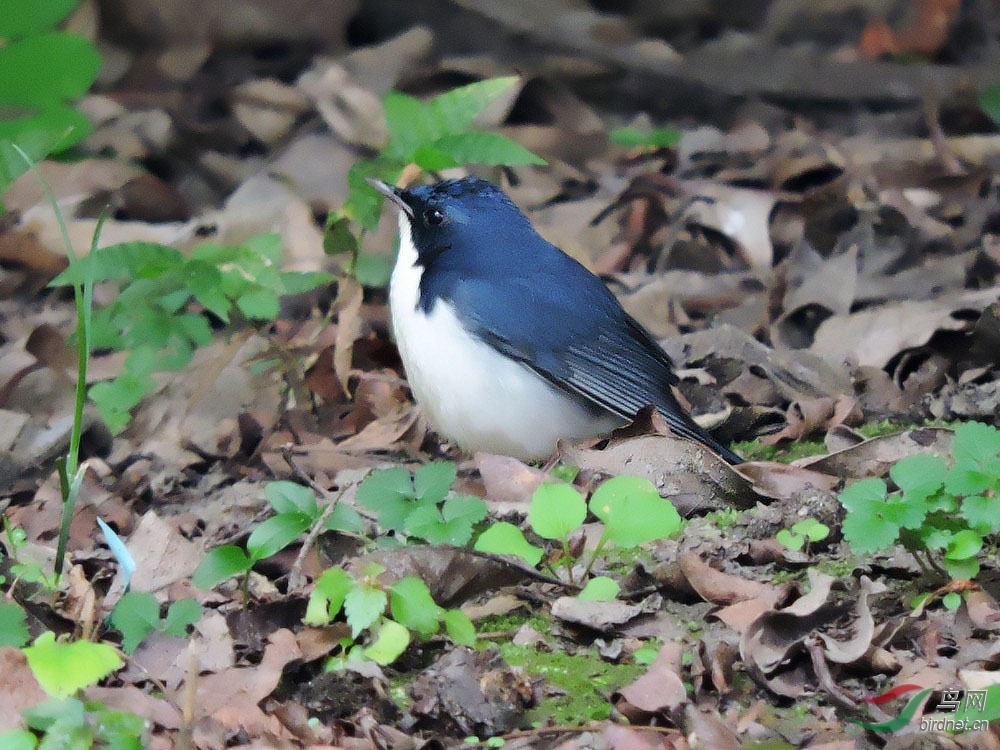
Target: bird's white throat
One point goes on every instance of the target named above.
(469, 392)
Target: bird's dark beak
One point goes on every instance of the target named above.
(392, 193)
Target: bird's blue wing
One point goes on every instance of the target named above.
(567, 326)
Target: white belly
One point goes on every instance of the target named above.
(469, 392)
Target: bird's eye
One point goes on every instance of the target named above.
(433, 216)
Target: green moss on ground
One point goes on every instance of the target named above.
(583, 682)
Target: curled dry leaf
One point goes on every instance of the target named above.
(776, 642)
(721, 588)
(874, 458)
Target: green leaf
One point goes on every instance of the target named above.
(905, 511)
(412, 605)
(919, 475)
(390, 642)
(276, 533)
(62, 668)
(811, 528)
(468, 508)
(18, 739)
(962, 570)
(600, 589)
(792, 541)
(204, 280)
(287, 497)
(964, 544)
(951, 600)
(633, 511)
(975, 442)
(432, 481)
(430, 159)
(363, 606)
(863, 493)
(634, 137)
(411, 124)
(126, 260)
(338, 237)
(364, 203)
(261, 304)
(219, 565)
(344, 518)
(134, 616)
(38, 133)
(13, 626)
(485, 148)
(25, 17)
(867, 531)
(457, 109)
(426, 523)
(180, 615)
(506, 539)
(45, 715)
(556, 510)
(460, 628)
(297, 282)
(328, 596)
(966, 478)
(372, 271)
(47, 68)
(982, 512)
(388, 492)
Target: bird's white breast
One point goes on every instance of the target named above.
(469, 392)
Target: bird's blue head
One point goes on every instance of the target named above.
(468, 216)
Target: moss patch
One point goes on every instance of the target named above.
(582, 681)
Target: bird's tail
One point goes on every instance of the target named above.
(685, 426)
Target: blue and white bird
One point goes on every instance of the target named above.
(509, 344)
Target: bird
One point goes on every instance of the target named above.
(509, 344)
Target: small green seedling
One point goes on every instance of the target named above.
(26, 571)
(296, 511)
(944, 513)
(390, 615)
(137, 614)
(630, 507)
(419, 506)
(433, 135)
(802, 534)
(72, 723)
(158, 316)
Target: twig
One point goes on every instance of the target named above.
(185, 736)
(295, 577)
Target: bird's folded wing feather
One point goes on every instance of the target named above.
(599, 352)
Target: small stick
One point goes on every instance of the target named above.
(295, 578)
